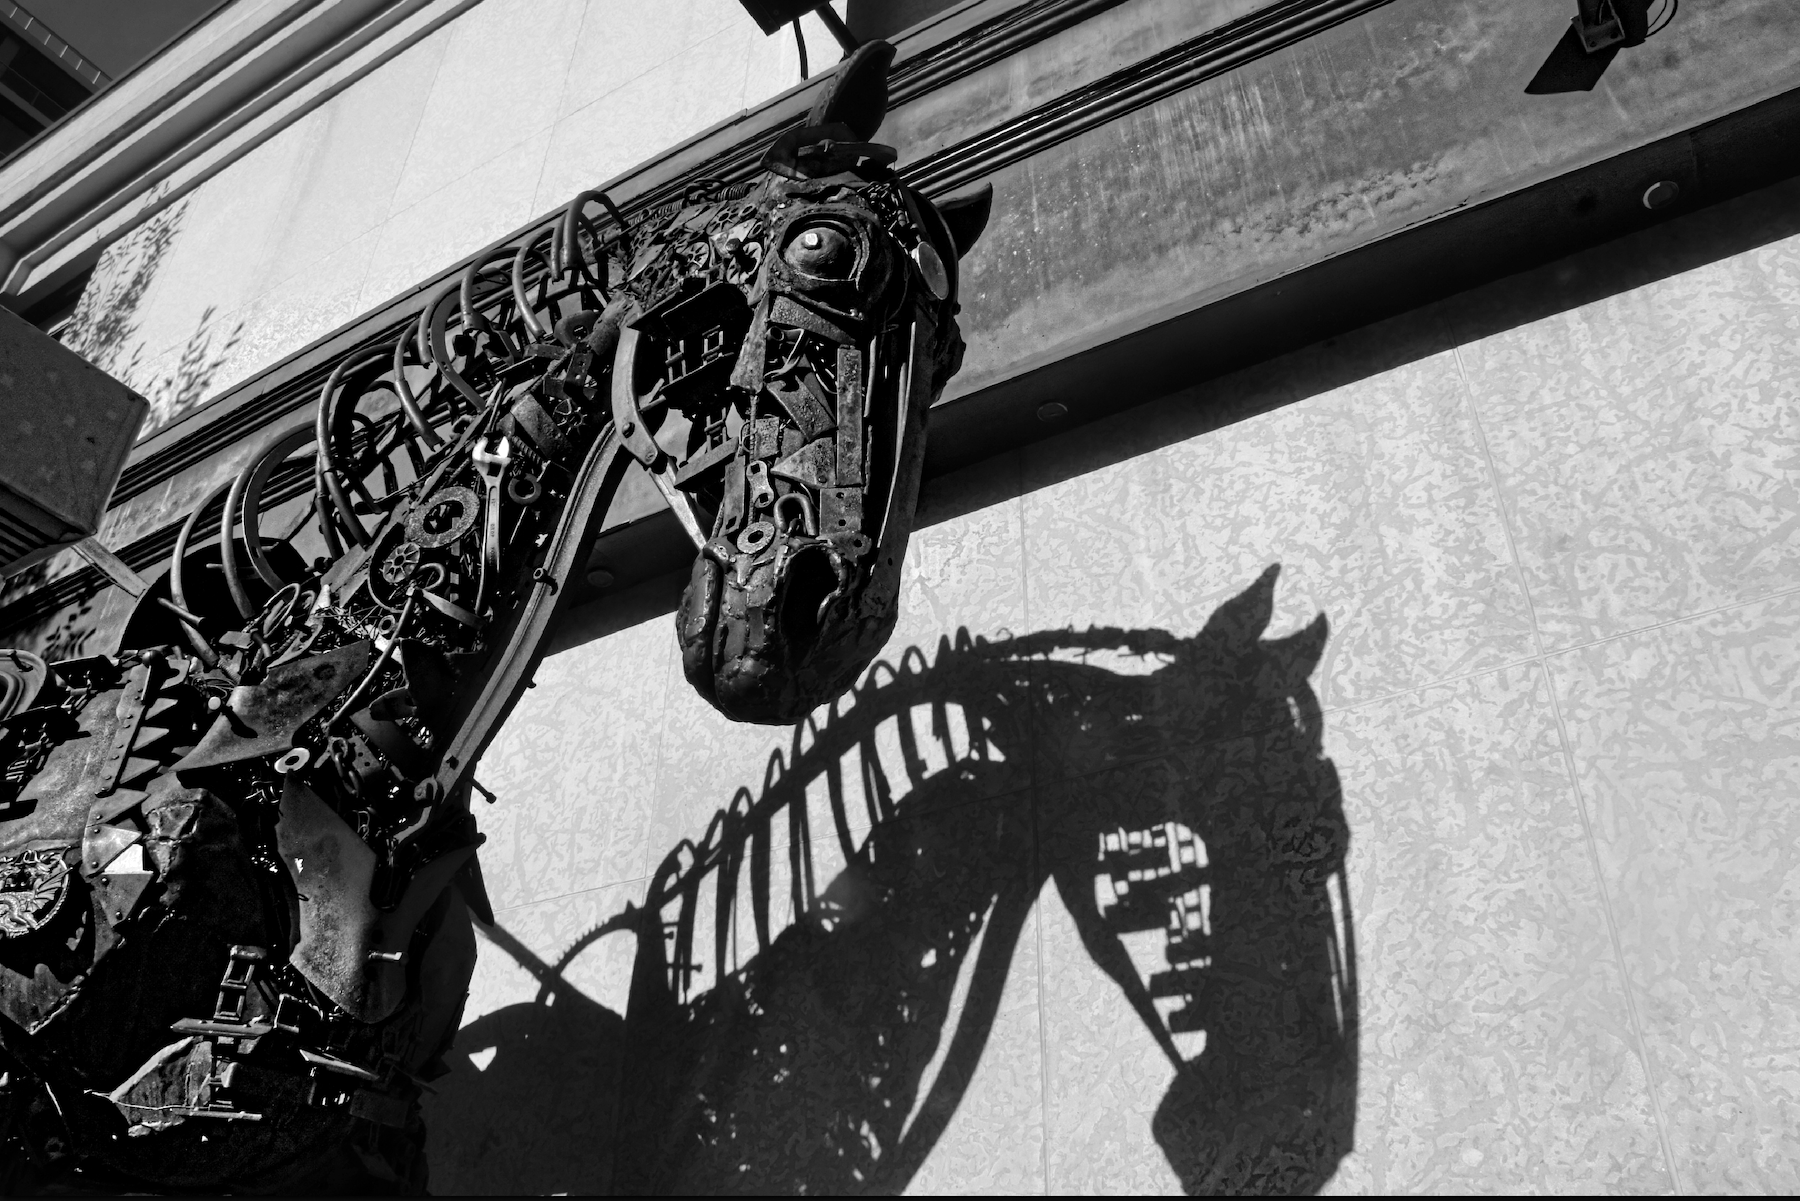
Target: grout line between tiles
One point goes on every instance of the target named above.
(1581, 806)
(570, 895)
(562, 94)
(412, 141)
(1673, 621)
(1037, 849)
(412, 137)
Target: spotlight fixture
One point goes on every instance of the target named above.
(1602, 24)
(774, 15)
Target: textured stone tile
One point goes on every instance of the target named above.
(530, 1103)
(888, 1036)
(1497, 1052)
(773, 67)
(641, 118)
(1685, 748)
(354, 148)
(502, 72)
(619, 42)
(710, 764)
(1646, 444)
(572, 768)
(964, 564)
(292, 314)
(1368, 486)
(488, 203)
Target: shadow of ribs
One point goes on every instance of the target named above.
(822, 968)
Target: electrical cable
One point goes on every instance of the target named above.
(1670, 8)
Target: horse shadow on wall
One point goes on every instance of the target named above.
(815, 980)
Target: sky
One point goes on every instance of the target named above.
(116, 35)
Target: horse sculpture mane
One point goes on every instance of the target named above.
(237, 860)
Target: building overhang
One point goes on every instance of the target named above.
(1180, 199)
(232, 82)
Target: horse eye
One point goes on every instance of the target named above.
(821, 250)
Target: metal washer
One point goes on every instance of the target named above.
(470, 509)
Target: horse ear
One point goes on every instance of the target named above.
(857, 95)
(1239, 623)
(1297, 656)
(967, 216)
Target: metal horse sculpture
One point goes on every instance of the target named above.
(237, 860)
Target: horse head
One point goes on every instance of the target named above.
(791, 338)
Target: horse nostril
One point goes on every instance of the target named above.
(821, 250)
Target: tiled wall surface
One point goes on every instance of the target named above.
(497, 118)
(1549, 710)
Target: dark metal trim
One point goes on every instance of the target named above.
(1176, 69)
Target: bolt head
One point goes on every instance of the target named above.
(1661, 194)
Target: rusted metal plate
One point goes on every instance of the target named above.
(262, 719)
(332, 870)
(353, 952)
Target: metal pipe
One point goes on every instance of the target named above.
(177, 580)
(178, 611)
(527, 312)
(322, 505)
(273, 454)
(323, 423)
(472, 317)
(387, 652)
(410, 402)
(433, 348)
(834, 24)
(234, 582)
(566, 246)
